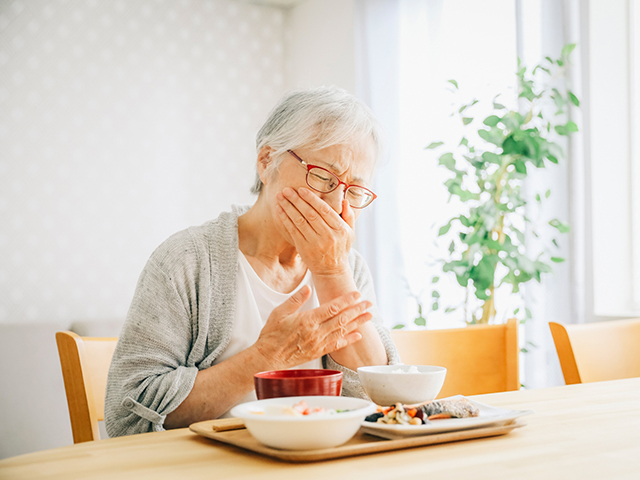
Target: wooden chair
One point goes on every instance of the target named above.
(478, 358)
(595, 352)
(85, 364)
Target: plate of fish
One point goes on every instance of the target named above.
(437, 416)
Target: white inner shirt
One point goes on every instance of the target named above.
(255, 301)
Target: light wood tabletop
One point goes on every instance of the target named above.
(578, 431)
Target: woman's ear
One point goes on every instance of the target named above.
(264, 161)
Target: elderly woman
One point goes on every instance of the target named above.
(269, 287)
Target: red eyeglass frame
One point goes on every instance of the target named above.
(340, 182)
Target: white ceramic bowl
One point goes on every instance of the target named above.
(386, 386)
(304, 432)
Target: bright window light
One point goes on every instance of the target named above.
(438, 43)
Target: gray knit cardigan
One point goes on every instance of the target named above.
(180, 321)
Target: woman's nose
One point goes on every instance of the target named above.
(334, 199)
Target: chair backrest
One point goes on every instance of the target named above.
(478, 358)
(85, 365)
(594, 352)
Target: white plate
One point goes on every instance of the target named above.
(489, 416)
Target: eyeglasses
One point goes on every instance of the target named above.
(323, 181)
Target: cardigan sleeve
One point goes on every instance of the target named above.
(351, 386)
(150, 373)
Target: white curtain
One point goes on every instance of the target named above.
(545, 26)
(408, 50)
(377, 48)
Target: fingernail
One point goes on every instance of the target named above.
(303, 191)
(288, 192)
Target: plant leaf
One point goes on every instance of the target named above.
(562, 227)
(567, 49)
(529, 117)
(561, 130)
(520, 166)
(557, 259)
(454, 83)
(571, 127)
(573, 99)
(492, 136)
(447, 161)
(398, 326)
(492, 158)
(467, 120)
(444, 229)
(491, 120)
(420, 321)
(433, 145)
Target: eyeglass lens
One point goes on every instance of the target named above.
(323, 181)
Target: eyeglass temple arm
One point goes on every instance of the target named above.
(297, 157)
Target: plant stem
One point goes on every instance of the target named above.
(488, 307)
(466, 305)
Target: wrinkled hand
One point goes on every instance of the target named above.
(290, 338)
(321, 236)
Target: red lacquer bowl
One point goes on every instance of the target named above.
(297, 383)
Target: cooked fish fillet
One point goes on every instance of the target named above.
(458, 408)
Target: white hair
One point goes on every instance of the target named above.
(317, 118)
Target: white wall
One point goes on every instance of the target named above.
(121, 122)
(320, 44)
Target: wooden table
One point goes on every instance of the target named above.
(578, 431)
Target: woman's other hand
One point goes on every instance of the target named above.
(290, 338)
(321, 236)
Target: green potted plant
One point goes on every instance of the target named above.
(489, 167)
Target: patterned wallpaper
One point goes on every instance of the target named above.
(121, 122)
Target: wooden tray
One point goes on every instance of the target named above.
(231, 431)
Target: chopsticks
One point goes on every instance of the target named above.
(225, 424)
